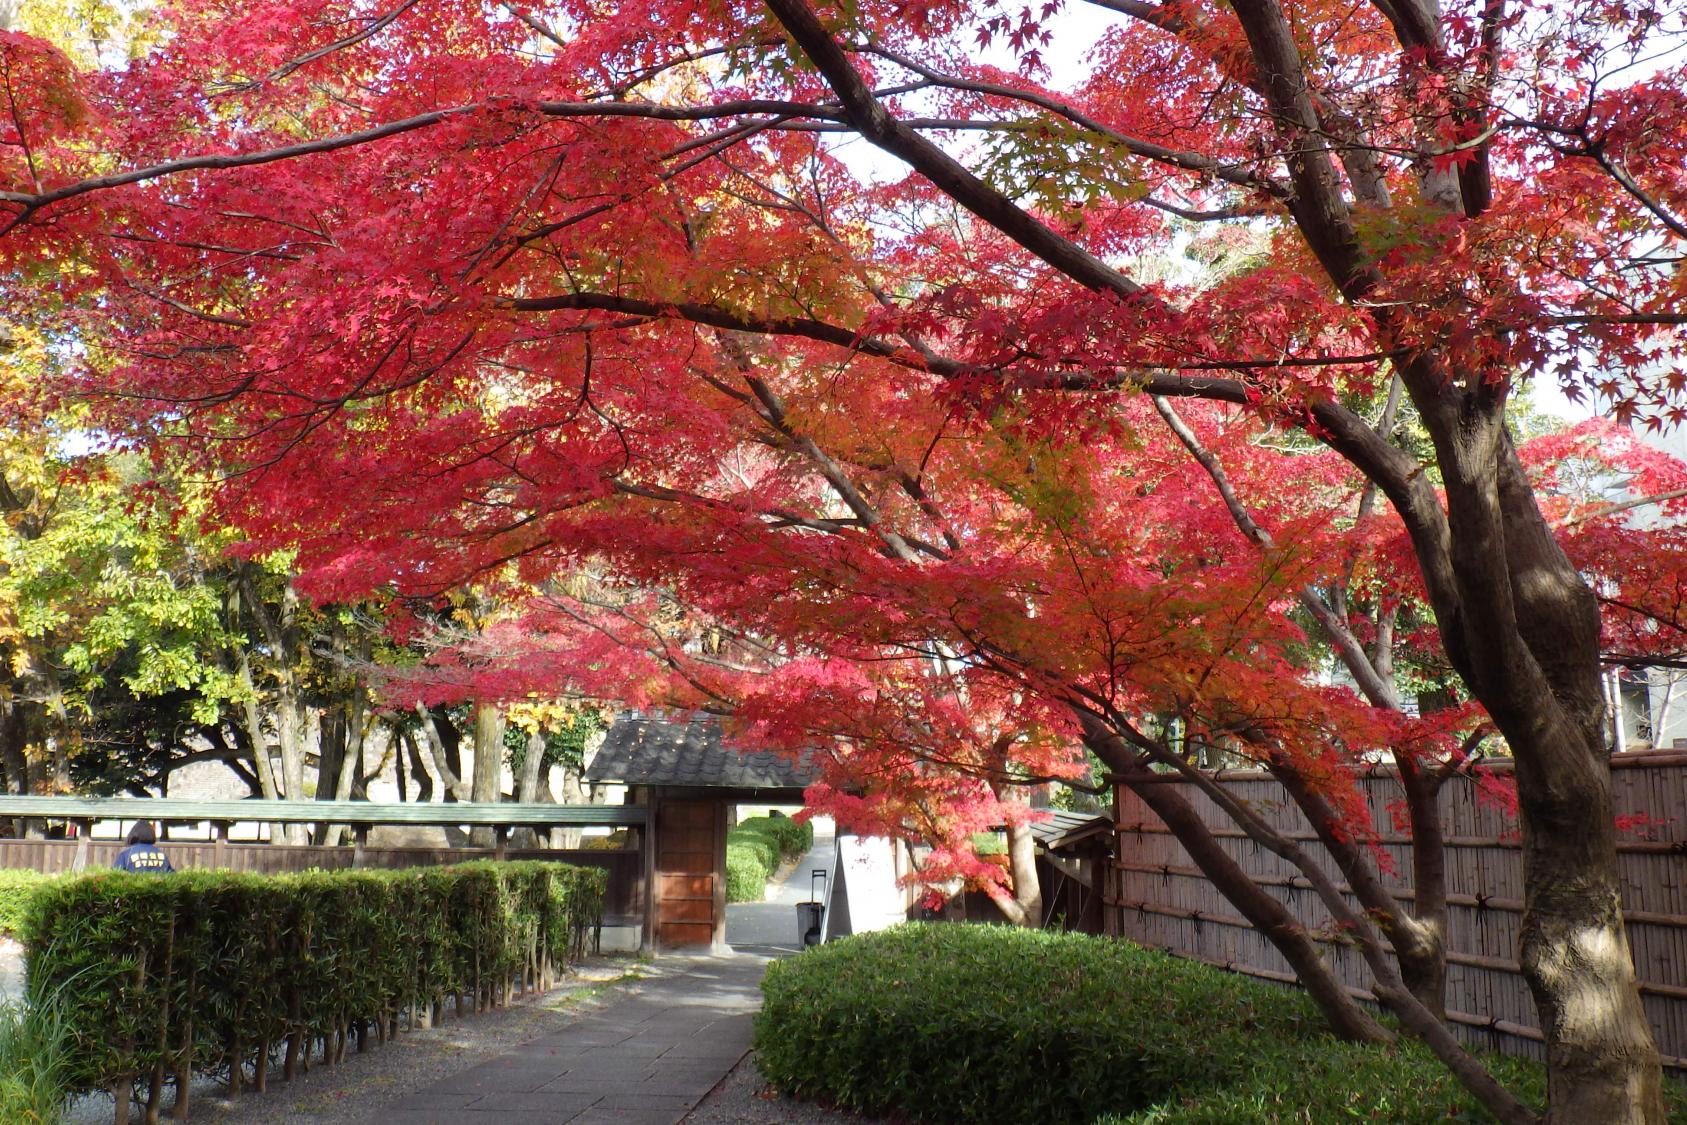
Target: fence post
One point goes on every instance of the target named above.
(84, 829)
(219, 845)
(360, 843)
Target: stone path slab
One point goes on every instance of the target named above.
(645, 1059)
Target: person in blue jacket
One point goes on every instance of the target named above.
(143, 852)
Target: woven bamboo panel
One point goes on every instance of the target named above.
(1158, 898)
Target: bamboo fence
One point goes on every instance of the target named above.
(1157, 897)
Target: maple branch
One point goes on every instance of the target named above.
(1616, 171)
(1161, 16)
(1188, 161)
(1198, 216)
(1317, 204)
(1414, 25)
(1399, 475)
(1659, 318)
(200, 314)
(309, 57)
(1593, 149)
(1119, 377)
(533, 23)
(876, 125)
(1377, 689)
(1613, 508)
(772, 411)
(32, 202)
(23, 134)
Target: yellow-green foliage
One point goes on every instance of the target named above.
(34, 1063)
(17, 887)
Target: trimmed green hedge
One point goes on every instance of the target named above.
(211, 971)
(754, 849)
(992, 1024)
(17, 887)
(792, 840)
(746, 874)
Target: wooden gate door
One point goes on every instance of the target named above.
(690, 887)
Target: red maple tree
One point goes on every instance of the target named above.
(453, 287)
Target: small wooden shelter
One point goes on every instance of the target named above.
(688, 776)
(1073, 854)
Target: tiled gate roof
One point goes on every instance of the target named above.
(642, 750)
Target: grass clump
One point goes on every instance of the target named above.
(992, 1024)
(35, 1062)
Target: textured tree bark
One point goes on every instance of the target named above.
(532, 767)
(14, 736)
(527, 786)
(418, 770)
(1269, 916)
(1022, 905)
(1417, 946)
(279, 635)
(488, 764)
(1527, 641)
(1424, 966)
(441, 738)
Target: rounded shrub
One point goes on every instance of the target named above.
(960, 1023)
(746, 873)
(790, 839)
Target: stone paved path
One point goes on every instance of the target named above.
(645, 1059)
(770, 927)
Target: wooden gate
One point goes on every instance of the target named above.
(690, 880)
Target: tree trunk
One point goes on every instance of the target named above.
(527, 785)
(1267, 915)
(14, 759)
(418, 771)
(14, 740)
(441, 738)
(1525, 636)
(289, 719)
(331, 754)
(573, 793)
(251, 716)
(532, 768)
(488, 764)
(1423, 963)
(1024, 906)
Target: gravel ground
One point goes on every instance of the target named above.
(744, 1098)
(353, 1092)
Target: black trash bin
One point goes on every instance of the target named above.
(811, 914)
